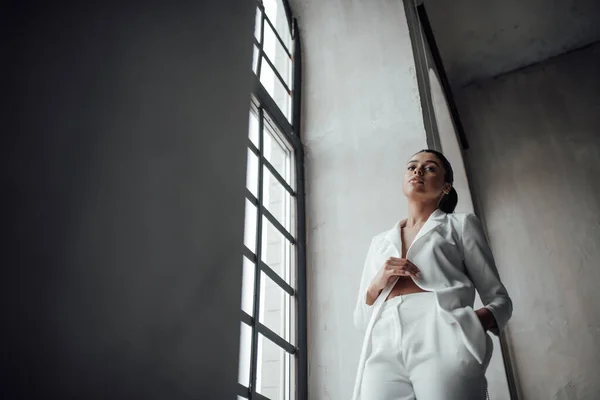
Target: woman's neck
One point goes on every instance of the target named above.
(418, 213)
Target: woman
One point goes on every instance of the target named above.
(423, 340)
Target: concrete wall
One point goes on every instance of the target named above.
(123, 170)
(535, 166)
(482, 39)
(361, 122)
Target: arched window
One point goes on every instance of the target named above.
(272, 362)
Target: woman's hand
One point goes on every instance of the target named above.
(392, 268)
(486, 318)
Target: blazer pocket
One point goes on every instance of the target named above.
(478, 326)
(479, 342)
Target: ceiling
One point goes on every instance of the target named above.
(480, 39)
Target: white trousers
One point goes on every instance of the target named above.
(415, 354)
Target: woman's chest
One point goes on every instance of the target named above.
(435, 254)
(407, 236)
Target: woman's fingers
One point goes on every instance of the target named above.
(400, 271)
(400, 261)
(413, 268)
(403, 264)
(396, 260)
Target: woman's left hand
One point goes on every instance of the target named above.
(486, 318)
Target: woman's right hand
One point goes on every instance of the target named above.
(392, 268)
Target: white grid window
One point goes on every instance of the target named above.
(269, 351)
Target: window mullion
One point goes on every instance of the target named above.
(279, 178)
(261, 94)
(277, 35)
(276, 72)
(247, 319)
(243, 391)
(250, 255)
(254, 350)
(278, 225)
(261, 54)
(279, 281)
(260, 46)
(275, 338)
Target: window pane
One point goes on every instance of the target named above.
(276, 89)
(278, 55)
(248, 269)
(279, 201)
(275, 307)
(257, 22)
(245, 347)
(255, 60)
(276, 251)
(252, 173)
(277, 153)
(270, 377)
(253, 128)
(251, 218)
(276, 13)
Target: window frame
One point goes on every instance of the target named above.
(267, 109)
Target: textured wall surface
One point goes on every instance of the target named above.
(361, 122)
(535, 166)
(481, 39)
(123, 170)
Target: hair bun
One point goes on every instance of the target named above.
(449, 201)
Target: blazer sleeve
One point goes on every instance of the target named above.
(482, 270)
(362, 311)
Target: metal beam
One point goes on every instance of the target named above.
(243, 391)
(276, 278)
(420, 58)
(275, 338)
(437, 59)
(301, 303)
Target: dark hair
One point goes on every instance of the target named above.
(449, 201)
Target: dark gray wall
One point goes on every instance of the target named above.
(534, 165)
(123, 173)
(482, 39)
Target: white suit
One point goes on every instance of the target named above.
(454, 259)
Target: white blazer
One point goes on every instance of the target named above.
(454, 259)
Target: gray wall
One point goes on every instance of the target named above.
(482, 39)
(123, 173)
(361, 123)
(535, 165)
(495, 373)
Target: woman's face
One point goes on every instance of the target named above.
(424, 178)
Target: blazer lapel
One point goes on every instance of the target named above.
(393, 235)
(434, 220)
